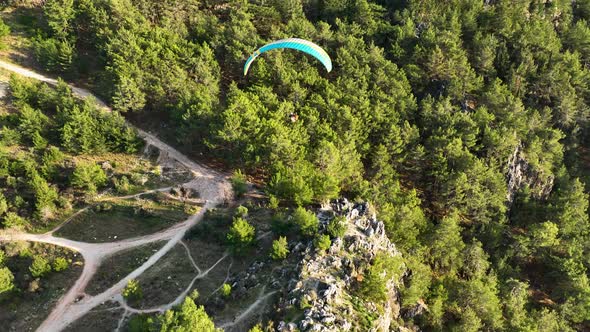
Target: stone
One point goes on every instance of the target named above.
(416, 310)
(521, 174)
(334, 275)
(281, 326)
(106, 166)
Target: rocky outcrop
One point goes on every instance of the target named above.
(521, 174)
(324, 286)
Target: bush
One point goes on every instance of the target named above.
(138, 179)
(9, 136)
(240, 235)
(307, 221)
(337, 227)
(239, 183)
(241, 212)
(256, 328)
(4, 31)
(279, 249)
(122, 185)
(280, 225)
(132, 290)
(60, 264)
(226, 290)
(6, 280)
(273, 202)
(383, 268)
(322, 242)
(3, 204)
(88, 176)
(39, 267)
(185, 317)
(13, 220)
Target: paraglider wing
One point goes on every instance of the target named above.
(296, 44)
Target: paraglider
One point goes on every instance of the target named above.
(296, 44)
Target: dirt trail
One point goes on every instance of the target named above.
(246, 313)
(161, 308)
(212, 186)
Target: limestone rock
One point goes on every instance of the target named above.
(325, 282)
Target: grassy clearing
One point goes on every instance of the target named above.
(122, 219)
(115, 267)
(206, 255)
(164, 281)
(23, 23)
(102, 318)
(25, 308)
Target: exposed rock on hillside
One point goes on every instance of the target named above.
(521, 174)
(325, 288)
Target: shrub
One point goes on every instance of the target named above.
(6, 280)
(4, 31)
(132, 290)
(122, 185)
(279, 224)
(279, 249)
(384, 268)
(88, 176)
(240, 235)
(3, 204)
(322, 242)
(239, 183)
(60, 264)
(273, 202)
(13, 220)
(226, 290)
(256, 328)
(39, 267)
(138, 179)
(307, 221)
(337, 227)
(10, 136)
(241, 212)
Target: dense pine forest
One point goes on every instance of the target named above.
(463, 122)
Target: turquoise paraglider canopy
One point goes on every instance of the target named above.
(296, 44)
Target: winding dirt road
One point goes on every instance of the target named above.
(212, 186)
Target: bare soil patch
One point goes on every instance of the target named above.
(122, 219)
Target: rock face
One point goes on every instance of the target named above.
(520, 173)
(324, 287)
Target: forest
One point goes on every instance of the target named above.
(430, 107)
